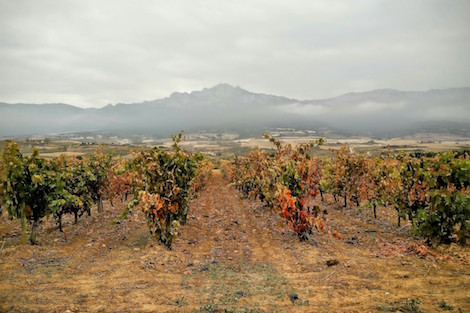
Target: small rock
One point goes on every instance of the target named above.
(293, 297)
(190, 264)
(136, 249)
(214, 261)
(204, 268)
(352, 241)
(239, 293)
(332, 262)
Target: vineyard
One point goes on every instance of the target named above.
(433, 193)
(282, 231)
(159, 182)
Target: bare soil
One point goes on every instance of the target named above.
(233, 255)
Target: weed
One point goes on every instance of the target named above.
(180, 302)
(411, 306)
(208, 308)
(445, 307)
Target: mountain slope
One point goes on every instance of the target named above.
(226, 107)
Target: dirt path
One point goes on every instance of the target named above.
(232, 255)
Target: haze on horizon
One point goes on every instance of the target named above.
(91, 53)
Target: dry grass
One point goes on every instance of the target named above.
(232, 256)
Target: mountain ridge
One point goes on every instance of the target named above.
(224, 106)
(217, 86)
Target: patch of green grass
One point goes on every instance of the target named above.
(242, 310)
(45, 264)
(213, 308)
(208, 308)
(445, 307)
(180, 302)
(219, 272)
(225, 284)
(411, 306)
(299, 302)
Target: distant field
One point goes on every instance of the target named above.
(230, 148)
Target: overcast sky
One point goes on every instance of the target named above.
(91, 53)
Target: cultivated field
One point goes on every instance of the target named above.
(232, 255)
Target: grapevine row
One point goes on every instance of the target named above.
(432, 192)
(159, 182)
(288, 179)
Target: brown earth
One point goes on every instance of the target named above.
(233, 255)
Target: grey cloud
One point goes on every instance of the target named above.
(91, 53)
